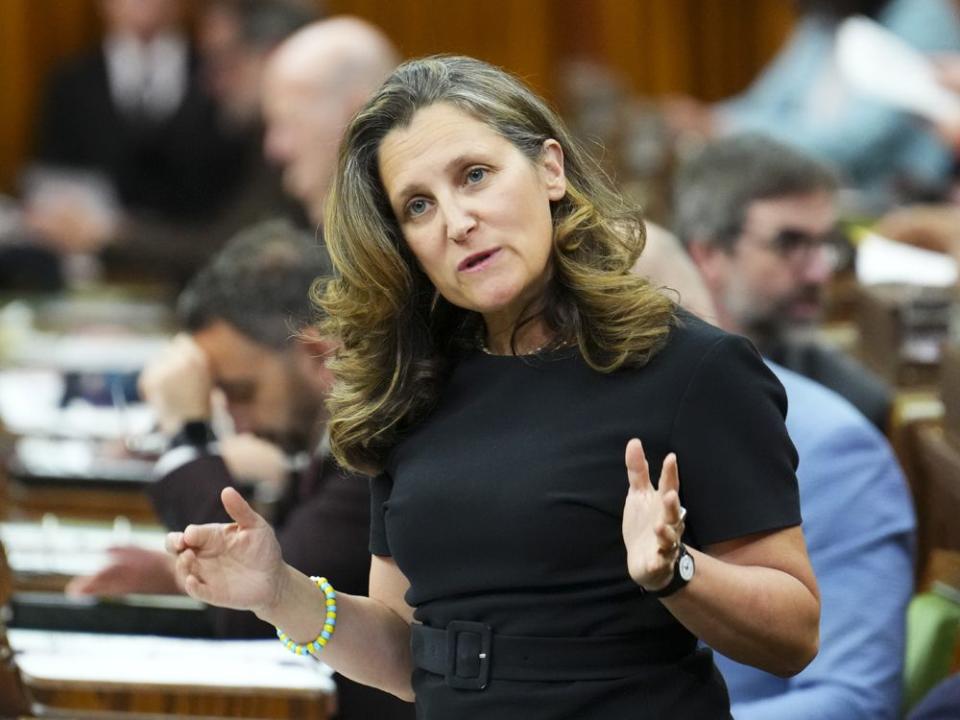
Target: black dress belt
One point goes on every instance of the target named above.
(470, 654)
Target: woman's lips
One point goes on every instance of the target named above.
(477, 261)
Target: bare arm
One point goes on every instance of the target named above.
(239, 565)
(754, 599)
(371, 643)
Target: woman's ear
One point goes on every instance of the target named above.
(551, 165)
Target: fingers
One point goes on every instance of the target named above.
(668, 539)
(638, 472)
(174, 543)
(186, 569)
(192, 582)
(197, 537)
(669, 475)
(239, 509)
(669, 489)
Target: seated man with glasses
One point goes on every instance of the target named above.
(760, 221)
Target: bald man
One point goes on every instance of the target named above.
(665, 263)
(314, 84)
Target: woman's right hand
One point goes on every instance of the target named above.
(236, 565)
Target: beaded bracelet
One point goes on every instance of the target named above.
(330, 622)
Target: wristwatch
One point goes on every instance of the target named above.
(683, 570)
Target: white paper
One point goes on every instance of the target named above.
(52, 547)
(78, 461)
(43, 655)
(89, 352)
(880, 260)
(879, 64)
(30, 405)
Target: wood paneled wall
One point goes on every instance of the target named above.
(706, 48)
(34, 36)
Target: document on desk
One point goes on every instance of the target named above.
(147, 660)
(880, 260)
(31, 403)
(88, 352)
(53, 547)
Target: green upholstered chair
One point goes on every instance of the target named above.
(933, 629)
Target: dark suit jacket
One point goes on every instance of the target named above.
(179, 167)
(323, 526)
(186, 184)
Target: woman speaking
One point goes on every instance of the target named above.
(574, 481)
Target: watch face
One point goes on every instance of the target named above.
(685, 567)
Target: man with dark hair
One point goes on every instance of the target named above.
(236, 38)
(759, 220)
(755, 216)
(249, 317)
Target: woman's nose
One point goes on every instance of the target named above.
(460, 222)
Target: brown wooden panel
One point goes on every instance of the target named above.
(706, 48)
(207, 703)
(35, 35)
(703, 48)
(86, 503)
(940, 462)
(514, 35)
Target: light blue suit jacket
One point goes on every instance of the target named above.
(859, 526)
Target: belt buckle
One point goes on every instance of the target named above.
(466, 654)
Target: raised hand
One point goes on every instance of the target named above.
(652, 519)
(177, 384)
(236, 565)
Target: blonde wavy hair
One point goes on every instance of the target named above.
(398, 336)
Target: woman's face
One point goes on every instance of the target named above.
(474, 210)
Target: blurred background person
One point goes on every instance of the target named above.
(206, 161)
(935, 226)
(313, 86)
(132, 112)
(248, 318)
(667, 265)
(759, 219)
(801, 99)
(753, 215)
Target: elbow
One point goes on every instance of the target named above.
(799, 656)
(798, 646)
(803, 648)
(805, 643)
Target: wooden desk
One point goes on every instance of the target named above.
(79, 673)
(940, 463)
(33, 501)
(912, 412)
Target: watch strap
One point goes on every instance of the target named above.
(194, 433)
(677, 581)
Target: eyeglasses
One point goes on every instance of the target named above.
(799, 248)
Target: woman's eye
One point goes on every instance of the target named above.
(416, 207)
(475, 175)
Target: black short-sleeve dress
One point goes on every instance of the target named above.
(504, 507)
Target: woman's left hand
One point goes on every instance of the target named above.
(653, 521)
